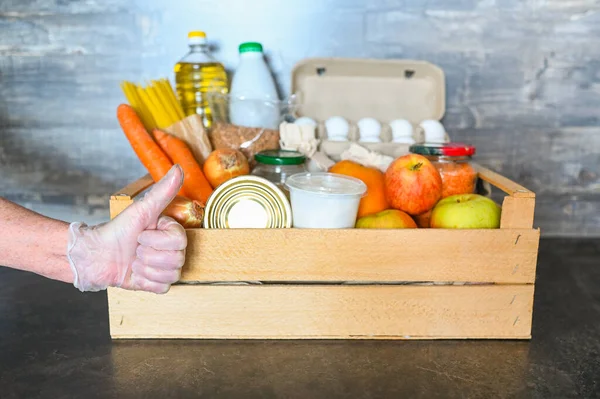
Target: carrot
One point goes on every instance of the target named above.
(194, 181)
(149, 153)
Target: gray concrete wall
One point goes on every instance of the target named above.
(523, 84)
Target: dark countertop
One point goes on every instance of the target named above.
(54, 343)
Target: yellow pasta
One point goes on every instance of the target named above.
(156, 103)
(168, 90)
(169, 93)
(135, 101)
(157, 97)
(156, 112)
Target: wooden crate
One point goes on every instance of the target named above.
(345, 284)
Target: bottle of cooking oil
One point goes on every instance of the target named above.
(197, 74)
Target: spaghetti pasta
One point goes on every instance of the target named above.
(156, 103)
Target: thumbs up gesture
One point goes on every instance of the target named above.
(138, 250)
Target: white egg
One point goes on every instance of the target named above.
(337, 128)
(369, 129)
(305, 120)
(434, 131)
(402, 131)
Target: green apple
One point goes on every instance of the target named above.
(466, 211)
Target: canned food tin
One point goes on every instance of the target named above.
(249, 202)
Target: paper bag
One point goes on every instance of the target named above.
(192, 131)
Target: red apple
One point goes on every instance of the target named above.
(413, 184)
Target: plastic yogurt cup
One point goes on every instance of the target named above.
(324, 200)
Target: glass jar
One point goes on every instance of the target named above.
(277, 165)
(452, 160)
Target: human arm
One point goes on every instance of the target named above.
(138, 250)
(32, 242)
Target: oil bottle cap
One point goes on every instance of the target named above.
(196, 37)
(251, 47)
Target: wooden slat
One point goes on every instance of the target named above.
(503, 183)
(348, 312)
(118, 205)
(517, 213)
(503, 256)
(133, 189)
(124, 197)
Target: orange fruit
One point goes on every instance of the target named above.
(374, 201)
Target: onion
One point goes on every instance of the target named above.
(189, 213)
(224, 164)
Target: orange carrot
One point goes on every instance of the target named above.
(149, 153)
(194, 181)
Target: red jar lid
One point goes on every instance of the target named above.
(446, 149)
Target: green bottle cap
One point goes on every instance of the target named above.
(251, 47)
(280, 157)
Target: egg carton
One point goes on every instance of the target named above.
(376, 136)
(381, 90)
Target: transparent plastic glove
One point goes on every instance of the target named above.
(137, 250)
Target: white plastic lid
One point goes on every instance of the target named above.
(326, 184)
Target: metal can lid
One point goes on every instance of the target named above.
(247, 202)
(446, 149)
(280, 157)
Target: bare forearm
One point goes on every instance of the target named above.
(32, 242)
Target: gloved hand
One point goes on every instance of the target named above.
(137, 250)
